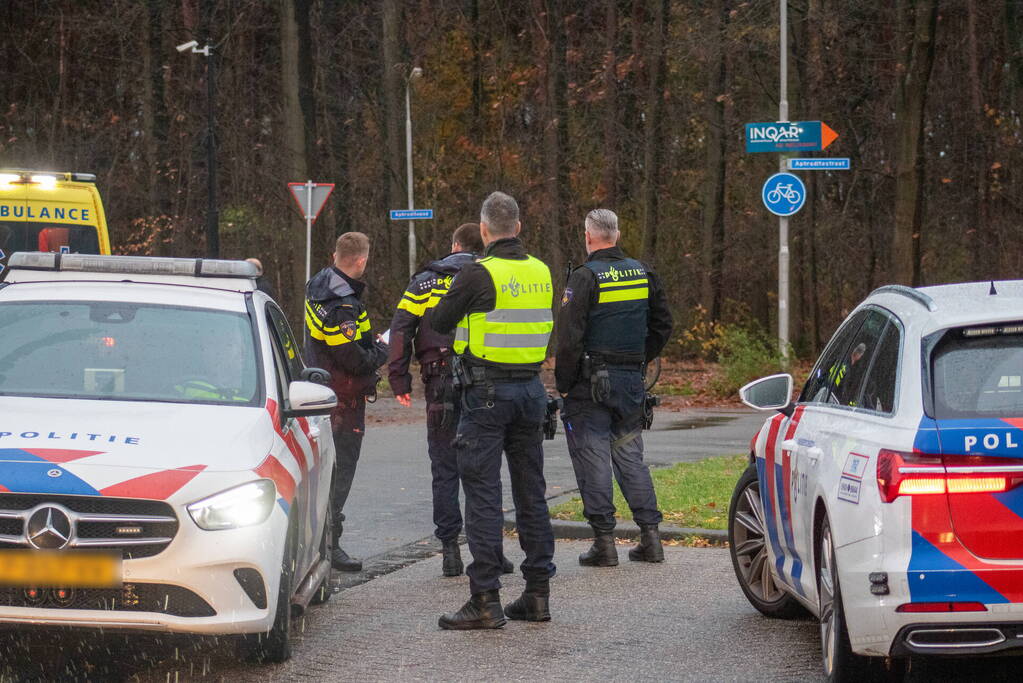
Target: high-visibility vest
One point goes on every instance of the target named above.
(617, 321)
(516, 332)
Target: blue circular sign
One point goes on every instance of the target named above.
(783, 194)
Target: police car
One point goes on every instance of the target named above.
(887, 500)
(165, 464)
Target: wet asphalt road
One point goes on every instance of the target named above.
(382, 625)
(390, 503)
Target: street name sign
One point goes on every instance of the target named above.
(788, 136)
(783, 194)
(830, 164)
(411, 214)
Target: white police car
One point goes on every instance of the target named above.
(887, 499)
(164, 464)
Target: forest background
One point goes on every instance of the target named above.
(567, 105)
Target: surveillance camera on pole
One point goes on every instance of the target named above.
(185, 47)
(193, 45)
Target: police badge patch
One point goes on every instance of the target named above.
(567, 296)
(348, 329)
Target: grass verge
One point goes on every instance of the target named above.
(690, 494)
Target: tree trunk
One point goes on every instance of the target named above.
(714, 179)
(556, 138)
(156, 121)
(982, 249)
(609, 179)
(652, 133)
(294, 162)
(394, 75)
(921, 16)
(337, 99)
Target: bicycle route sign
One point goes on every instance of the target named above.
(783, 194)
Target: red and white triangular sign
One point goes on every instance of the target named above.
(310, 197)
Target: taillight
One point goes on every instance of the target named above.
(918, 474)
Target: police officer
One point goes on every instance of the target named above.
(502, 308)
(411, 330)
(340, 340)
(614, 318)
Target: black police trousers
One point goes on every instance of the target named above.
(440, 433)
(606, 438)
(348, 423)
(511, 421)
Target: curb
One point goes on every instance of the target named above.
(627, 530)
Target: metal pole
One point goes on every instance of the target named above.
(212, 214)
(308, 227)
(783, 222)
(408, 164)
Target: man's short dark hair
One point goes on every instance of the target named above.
(468, 237)
(501, 214)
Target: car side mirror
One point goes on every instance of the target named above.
(316, 376)
(769, 393)
(306, 398)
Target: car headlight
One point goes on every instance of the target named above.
(243, 505)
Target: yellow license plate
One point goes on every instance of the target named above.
(44, 569)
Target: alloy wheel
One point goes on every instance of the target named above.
(751, 547)
(826, 593)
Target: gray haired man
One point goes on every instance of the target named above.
(614, 317)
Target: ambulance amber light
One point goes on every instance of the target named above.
(132, 265)
(45, 182)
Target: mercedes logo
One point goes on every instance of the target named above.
(48, 528)
(54, 473)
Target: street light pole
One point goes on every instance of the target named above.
(783, 221)
(212, 212)
(415, 73)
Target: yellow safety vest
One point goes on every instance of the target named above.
(516, 332)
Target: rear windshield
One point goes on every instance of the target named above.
(127, 352)
(76, 239)
(980, 376)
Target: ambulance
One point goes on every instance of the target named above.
(51, 212)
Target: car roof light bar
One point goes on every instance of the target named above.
(132, 265)
(914, 294)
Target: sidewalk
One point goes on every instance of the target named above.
(684, 619)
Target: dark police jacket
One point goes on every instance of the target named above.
(412, 328)
(472, 291)
(340, 338)
(632, 329)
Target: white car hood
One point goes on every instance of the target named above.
(135, 449)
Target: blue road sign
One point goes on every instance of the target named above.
(794, 136)
(2, 254)
(829, 164)
(411, 214)
(783, 194)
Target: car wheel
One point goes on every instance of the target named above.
(840, 662)
(274, 646)
(747, 540)
(323, 592)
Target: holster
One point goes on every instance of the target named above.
(600, 380)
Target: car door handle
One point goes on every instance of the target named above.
(794, 445)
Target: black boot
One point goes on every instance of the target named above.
(602, 553)
(452, 558)
(482, 611)
(506, 566)
(342, 562)
(533, 604)
(649, 548)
